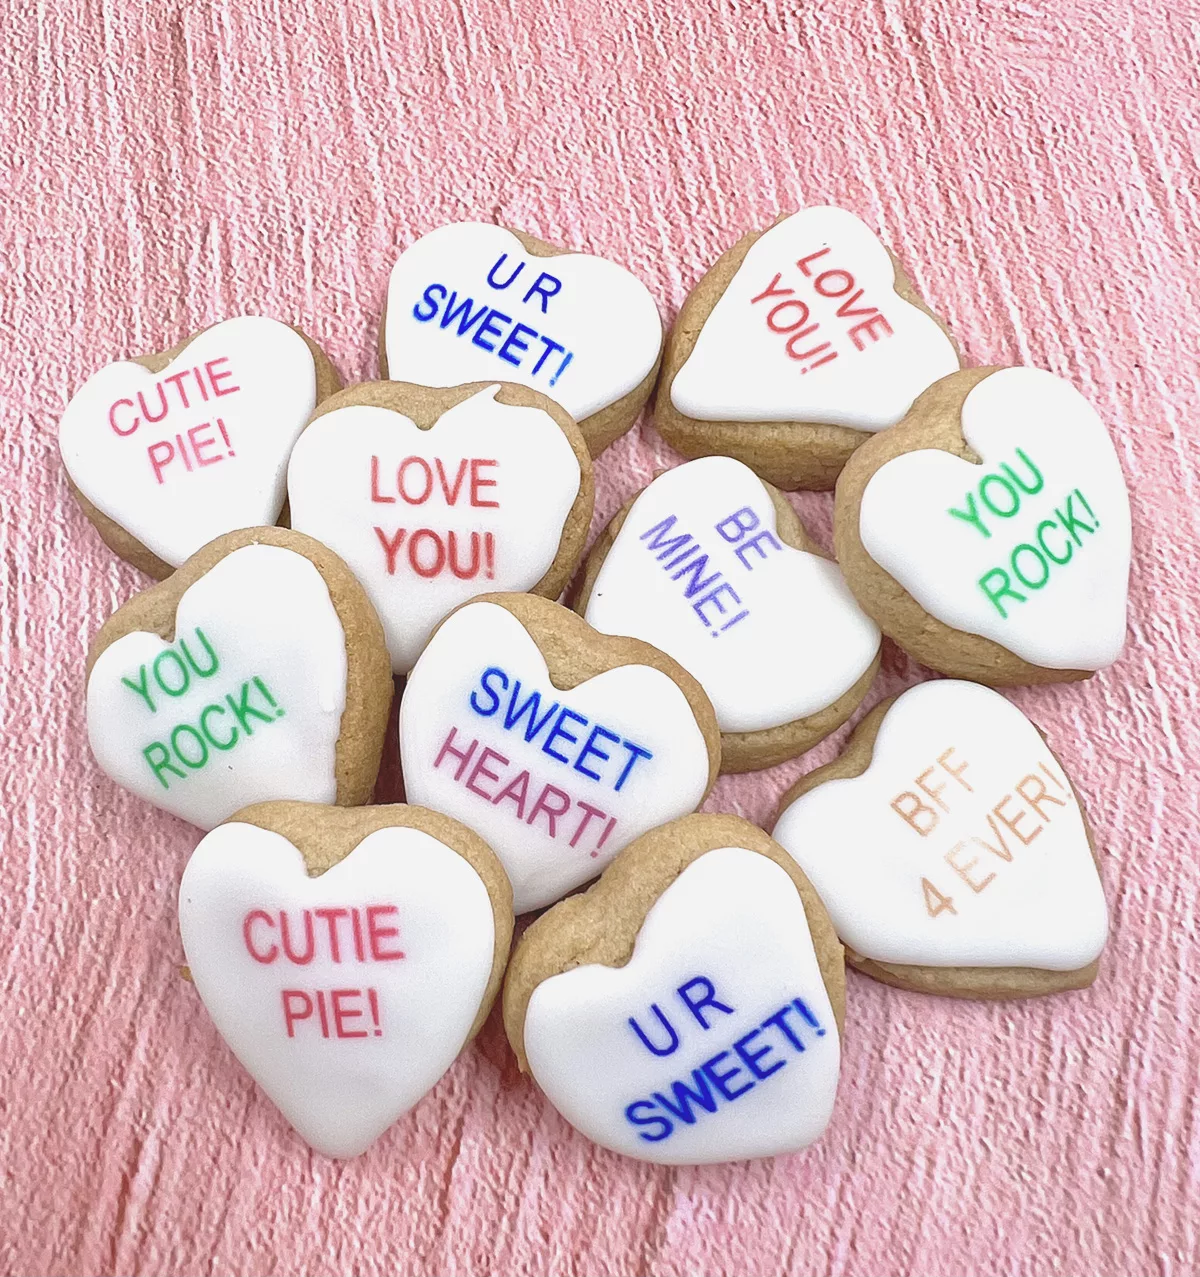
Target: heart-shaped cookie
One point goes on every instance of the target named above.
(951, 849)
(169, 451)
(713, 567)
(797, 345)
(345, 956)
(556, 744)
(472, 302)
(989, 533)
(434, 496)
(687, 1008)
(257, 671)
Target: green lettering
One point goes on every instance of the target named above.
(142, 688)
(1015, 560)
(1035, 475)
(187, 731)
(970, 515)
(1046, 550)
(243, 711)
(171, 655)
(213, 663)
(1071, 521)
(230, 741)
(162, 763)
(994, 480)
(996, 594)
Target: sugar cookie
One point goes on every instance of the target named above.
(434, 496)
(712, 566)
(346, 957)
(257, 671)
(951, 849)
(166, 452)
(989, 533)
(687, 1008)
(473, 302)
(557, 744)
(796, 346)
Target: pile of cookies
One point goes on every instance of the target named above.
(319, 547)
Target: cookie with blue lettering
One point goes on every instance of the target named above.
(989, 533)
(473, 302)
(557, 744)
(433, 496)
(711, 565)
(164, 452)
(952, 850)
(800, 343)
(256, 671)
(688, 1007)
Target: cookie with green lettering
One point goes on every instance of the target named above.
(257, 671)
(988, 533)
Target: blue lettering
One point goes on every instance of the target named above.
(466, 321)
(685, 1097)
(551, 347)
(513, 342)
(635, 752)
(671, 1046)
(428, 300)
(492, 674)
(542, 290)
(721, 1080)
(490, 328)
(751, 1058)
(495, 283)
(590, 748)
(755, 543)
(696, 569)
(513, 715)
(662, 1129)
(558, 730)
(657, 534)
(708, 998)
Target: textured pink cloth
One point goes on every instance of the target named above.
(164, 165)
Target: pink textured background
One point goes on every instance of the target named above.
(166, 164)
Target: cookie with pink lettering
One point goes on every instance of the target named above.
(952, 850)
(557, 744)
(471, 302)
(433, 496)
(688, 1008)
(166, 452)
(800, 343)
(346, 957)
(257, 671)
(989, 533)
(711, 565)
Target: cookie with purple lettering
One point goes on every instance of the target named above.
(557, 744)
(470, 302)
(257, 671)
(989, 534)
(711, 565)
(346, 957)
(800, 343)
(165, 452)
(952, 850)
(688, 1007)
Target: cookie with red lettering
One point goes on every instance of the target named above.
(471, 302)
(688, 1007)
(346, 957)
(433, 496)
(800, 343)
(952, 850)
(557, 744)
(166, 452)
(989, 534)
(256, 671)
(711, 565)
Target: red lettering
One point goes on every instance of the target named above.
(215, 378)
(448, 748)
(160, 460)
(779, 326)
(846, 311)
(267, 956)
(480, 768)
(543, 804)
(439, 561)
(376, 495)
(772, 291)
(112, 417)
(208, 442)
(404, 466)
(812, 257)
(341, 1014)
(451, 494)
(293, 999)
(868, 326)
(828, 290)
(478, 482)
(377, 933)
(176, 380)
(588, 812)
(391, 547)
(330, 918)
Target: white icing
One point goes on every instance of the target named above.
(266, 614)
(1027, 896)
(1075, 619)
(733, 918)
(341, 1081)
(251, 377)
(589, 308)
(859, 369)
(644, 709)
(803, 641)
(344, 489)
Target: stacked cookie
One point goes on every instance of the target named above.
(319, 547)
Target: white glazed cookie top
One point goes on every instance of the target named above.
(244, 705)
(348, 995)
(715, 1042)
(467, 303)
(429, 518)
(182, 456)
(771, 633)
(961, 845)
(555, 782)
(810, 328)
(1030, 547)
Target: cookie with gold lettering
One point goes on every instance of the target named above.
(256, 671)
(346, 957)
(951, 849)
(800, 343)
(165, 452)
(687, 1008)
(989, 534)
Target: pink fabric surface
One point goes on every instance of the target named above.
(164, 165)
